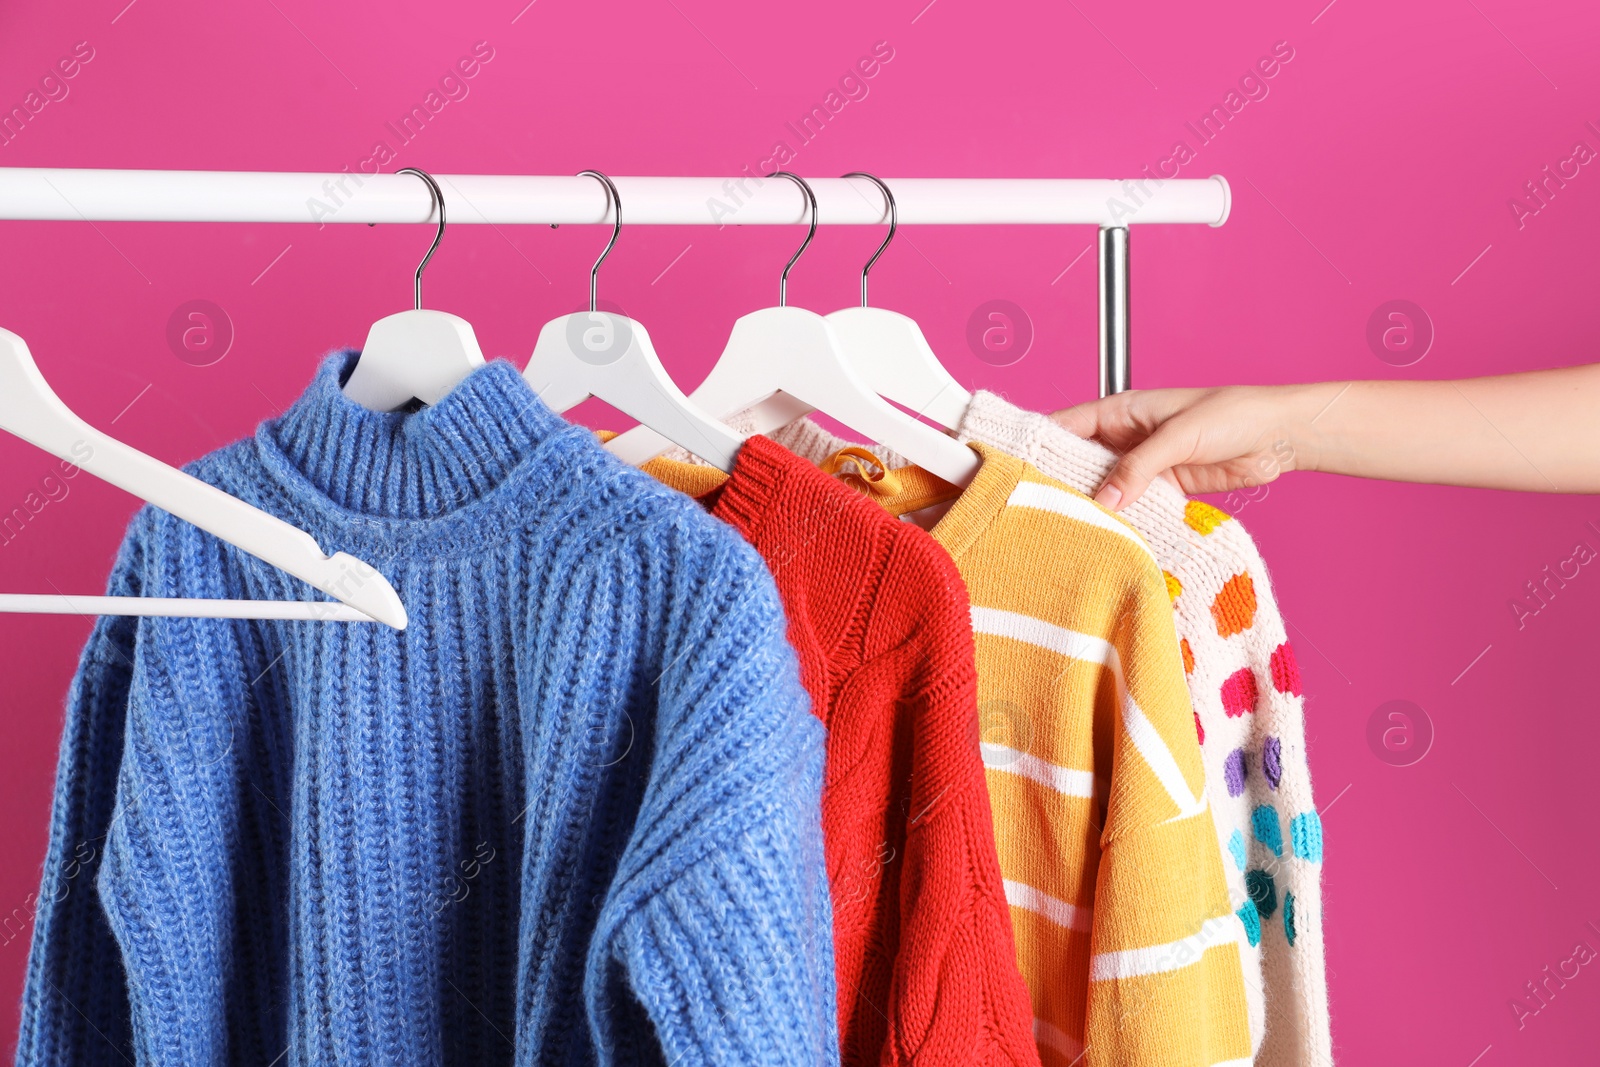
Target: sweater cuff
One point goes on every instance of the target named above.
(719, 968)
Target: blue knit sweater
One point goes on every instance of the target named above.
(569, 816)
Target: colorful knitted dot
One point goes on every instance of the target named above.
(1264, 821)
(1272, 761)
(1199, 730)
(1252, 921)
(1234, 609)
(1285, 671)
(1305, 836)
(1202, 517)
(1236, 848)
(1239, 692)
(1188, 655)
(1263, 892)
(1288, 917)
(1174, 587)
(1233, 772)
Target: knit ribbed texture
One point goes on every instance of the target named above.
(1250, 715)
(879, 616)
(1123, 924)
(570, 815)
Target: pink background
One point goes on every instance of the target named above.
(1378, 166)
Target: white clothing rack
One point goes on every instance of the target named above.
(354, 197)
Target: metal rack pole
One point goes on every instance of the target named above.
(1115, 367)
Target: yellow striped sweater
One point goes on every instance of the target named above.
(1112, 868)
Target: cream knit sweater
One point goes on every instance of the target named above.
(1249, 711)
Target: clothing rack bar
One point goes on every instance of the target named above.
(352, 197)
(42, 193)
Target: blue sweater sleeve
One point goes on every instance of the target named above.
(75, 1007)
(718, 929)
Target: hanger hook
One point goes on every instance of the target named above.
(437, 196)
(811, 200)
(894, 224)
(613, 201)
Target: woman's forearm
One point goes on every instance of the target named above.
(1537, 431)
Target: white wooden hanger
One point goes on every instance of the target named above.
(796, 352)
(416, 354)
(31, 410)
(889, 351)
(596, 353)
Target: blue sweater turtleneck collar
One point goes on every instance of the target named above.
(407, 465)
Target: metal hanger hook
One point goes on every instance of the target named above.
(438, 202)
(811, 201)
(613, 202)
(894, 224)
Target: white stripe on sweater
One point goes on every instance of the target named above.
(1058, 911)
(1063, 780)
(1060, 1040)
(1034, 631)
(1163, 959)
(1158, 757)
(1146, 740)
(1049, 498)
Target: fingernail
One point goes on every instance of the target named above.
(1108, 497)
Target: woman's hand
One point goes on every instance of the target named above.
(1210, 440)
(1536, 431)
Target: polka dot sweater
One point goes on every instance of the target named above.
(570, 815)
(1250, 716)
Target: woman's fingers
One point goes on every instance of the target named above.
(1169, 446)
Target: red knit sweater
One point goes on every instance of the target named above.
(879, 617)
